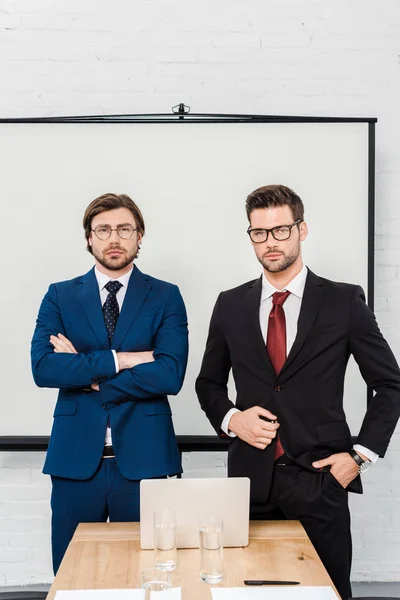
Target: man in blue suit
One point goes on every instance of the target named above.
(115, 343)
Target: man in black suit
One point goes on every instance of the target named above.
(287, 337)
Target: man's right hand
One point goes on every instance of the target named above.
(128, 360)
(248, 426)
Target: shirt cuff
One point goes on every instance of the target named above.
(225, 422)
(115, 360)
(372, 456)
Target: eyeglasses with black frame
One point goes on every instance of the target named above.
(280, 233)
(103, 232)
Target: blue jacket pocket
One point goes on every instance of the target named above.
(65, 407)
(161, 408)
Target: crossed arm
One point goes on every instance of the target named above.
(56, 362)
(126, 360)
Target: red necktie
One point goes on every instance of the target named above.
(276, 342)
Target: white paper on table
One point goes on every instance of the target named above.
(270, 592)
(171, 594)
(122, 594)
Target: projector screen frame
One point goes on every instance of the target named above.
(194, 442)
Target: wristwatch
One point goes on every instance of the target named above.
(363, 465)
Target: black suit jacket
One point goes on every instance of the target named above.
(307, 395)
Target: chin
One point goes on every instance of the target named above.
(274, 267)
(114, 265)
(117, 266)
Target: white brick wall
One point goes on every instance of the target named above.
(24, 519)
(293, 57)
(25, 553)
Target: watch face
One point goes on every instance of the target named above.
(365, 466)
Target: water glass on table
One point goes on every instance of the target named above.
(165, 539)
(155, 580)
(211, 550)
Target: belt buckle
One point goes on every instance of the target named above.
(108, 452)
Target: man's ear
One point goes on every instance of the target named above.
(90, 239)
(303, 231)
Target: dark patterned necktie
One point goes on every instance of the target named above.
(111, 308)
(276, 343)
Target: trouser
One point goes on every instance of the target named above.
(106, 495)
(320, 503)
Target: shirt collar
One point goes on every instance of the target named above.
(295, 287)
(102, 279)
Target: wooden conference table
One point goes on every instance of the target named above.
(108, 555)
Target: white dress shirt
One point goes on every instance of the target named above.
(102, 281)
(291, 308)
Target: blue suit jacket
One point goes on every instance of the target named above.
(153, 317)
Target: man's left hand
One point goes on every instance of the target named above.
(62, 344)
(343, 467)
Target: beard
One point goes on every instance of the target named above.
(116, 263)
(283, 263)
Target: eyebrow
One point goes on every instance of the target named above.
(108, 225)
(270, 229)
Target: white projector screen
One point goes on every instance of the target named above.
(190, 181)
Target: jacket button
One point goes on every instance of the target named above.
(103, 406)
(277, 388)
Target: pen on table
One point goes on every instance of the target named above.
(266, 582)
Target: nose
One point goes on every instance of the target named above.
(114, 237)
(272, 249)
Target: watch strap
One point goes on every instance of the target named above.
(362, 464)
(356, 457)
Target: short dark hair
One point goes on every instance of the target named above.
(111, 202)
(275, 195)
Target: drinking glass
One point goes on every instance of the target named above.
(165, 539)
(155, 580)
(211, 550)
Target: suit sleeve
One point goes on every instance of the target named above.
(211, 384)
(62, 370)
(380, 371)
(166, 374)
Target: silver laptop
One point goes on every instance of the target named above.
(196, 499)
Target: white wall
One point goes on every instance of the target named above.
(293, 57)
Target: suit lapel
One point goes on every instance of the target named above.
(89, 297)
(312, 299)
(252, 312)
(138, 287)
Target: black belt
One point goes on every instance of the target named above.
(108, 452)
(283, 460)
